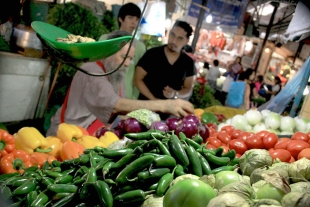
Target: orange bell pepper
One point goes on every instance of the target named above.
(71, 150)
(84, 131)
(7, 143)
(55, 144)
(38, 158)
(16, 161)
(68, 132)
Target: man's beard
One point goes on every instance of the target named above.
(116, 78)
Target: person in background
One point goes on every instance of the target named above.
(258, 82)
(166, 72)
(231, 75)
(276, 88)
(209, 56)
(213, 74)
(91, 100)
(128, 19)
(248, 77)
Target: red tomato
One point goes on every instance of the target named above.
(304, 153)
(282, 154)
(238, 145)
(262, 134)
(210, 146)
(211, 125)
(282, 143)
(211, 130)
(296, 146)
(225, 149)
(309, 142)
(292, 159)
(254, 142)
(300, 136)
(215, 142)
(228, 129)
(235, 134)
(270, 140)
(271, 150)
(238, 155)
(245, 135)
(308, 135)
(223, 136)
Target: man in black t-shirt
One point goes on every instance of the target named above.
(166, 72)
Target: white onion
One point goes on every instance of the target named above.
(287, 123)
(239, 122)
(253, 117)
(259, 127)
(273, 121)
(301, 124)
(265, 113)
(221, 125)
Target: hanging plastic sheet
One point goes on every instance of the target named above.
(280, 101)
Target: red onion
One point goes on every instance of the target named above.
(191, 117)
(159, 125)
(189, 128)
(132, 125)
(172, 123)
(203, 131)
(101, 131)
(121, 124)
(119, 132)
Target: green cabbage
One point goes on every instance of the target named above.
(253, 159)
(299, 170)
(295, 199)
(301, 187)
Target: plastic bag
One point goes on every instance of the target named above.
(235, 95)
(280, 101)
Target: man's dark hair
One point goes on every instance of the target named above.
(184, 25)
(215, 62)
(128, 9)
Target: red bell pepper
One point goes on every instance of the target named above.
(71, 150)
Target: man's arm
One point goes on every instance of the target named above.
(140, 73)
(187, 87)
(175, 107)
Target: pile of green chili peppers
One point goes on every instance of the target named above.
(118, 177)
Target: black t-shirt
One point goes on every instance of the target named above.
(160, 73)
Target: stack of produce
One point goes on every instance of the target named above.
(116, 177)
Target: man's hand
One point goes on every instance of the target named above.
(178, 107)
(169, 92)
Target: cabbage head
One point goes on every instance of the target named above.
(295, 199)
(228, 200)
(301, 187)
(253, 159)
(299, 170)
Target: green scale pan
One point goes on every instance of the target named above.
(76, 52)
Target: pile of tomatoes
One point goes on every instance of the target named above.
(285, 149)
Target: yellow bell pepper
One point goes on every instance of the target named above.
(89, 142)
(30, 139)
(68, 132)
(55, 144)
(108, 138)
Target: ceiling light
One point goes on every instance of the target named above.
(209, 18)
(267, 50)
(248, 46)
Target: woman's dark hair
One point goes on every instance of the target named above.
(246, 74)
(128, 9)
(206, 65)
(184, 25)
(260, 78)
(277, 79)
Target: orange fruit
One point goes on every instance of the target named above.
(198, 112)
